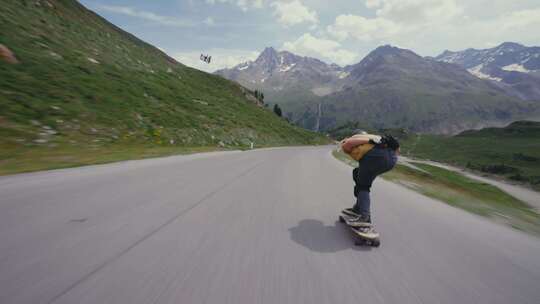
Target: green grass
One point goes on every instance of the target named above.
(36, 159)
(512, 152)
(464, 193)
(59, 101)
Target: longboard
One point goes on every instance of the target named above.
(365, 236)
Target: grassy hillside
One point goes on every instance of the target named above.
(84, 85)
(470, 195)
(512, 152)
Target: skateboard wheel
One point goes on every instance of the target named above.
(375, 243)
(341, 219)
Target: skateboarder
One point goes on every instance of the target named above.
(375, 155)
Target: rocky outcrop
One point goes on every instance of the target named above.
(7, 55)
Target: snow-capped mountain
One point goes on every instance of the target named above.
(394, 87)
(515, 67)
(390, 87)
(285, 76)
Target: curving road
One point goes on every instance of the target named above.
(245, 227)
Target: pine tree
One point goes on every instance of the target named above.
(277, 110)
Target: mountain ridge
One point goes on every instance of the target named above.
(392, 78)
(512, 66)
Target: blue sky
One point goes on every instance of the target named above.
(337, 31)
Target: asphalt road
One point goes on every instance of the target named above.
(246, 227)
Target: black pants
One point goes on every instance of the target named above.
(375, 162)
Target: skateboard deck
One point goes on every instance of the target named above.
(365, 235)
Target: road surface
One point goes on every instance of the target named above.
(246, 227)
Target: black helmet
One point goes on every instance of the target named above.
(390, 142)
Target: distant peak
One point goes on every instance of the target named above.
(510, 44)
(269, 50)
(268, 53)
(386, 50)
(446, 52)
(268, 57)
(386, 47)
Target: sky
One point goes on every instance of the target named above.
(334, 31)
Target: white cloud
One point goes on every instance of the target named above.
(242, 4)
(424, 26)
(373, 3)
(521, 19)
(209, 21)
(163, 20)
(510, 26)
(361, 28)
(294, 12)
(308, 45)
(418, 11)
(430, 26)
(394, 17)
(221, 58)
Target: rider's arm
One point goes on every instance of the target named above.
(350, 143)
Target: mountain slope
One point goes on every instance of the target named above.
(83, 83)
(514, 67)
(394, 87)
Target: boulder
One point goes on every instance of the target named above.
(7, 55)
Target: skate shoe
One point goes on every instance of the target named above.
(349, 212)
(359, 221)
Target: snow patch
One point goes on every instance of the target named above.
(476, 72)
(322, 91)
(243, 68)
(342, 75)
(453, 57)
(92, 60)
(516, 68)
(287, 67)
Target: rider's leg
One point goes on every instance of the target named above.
(375, 162)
